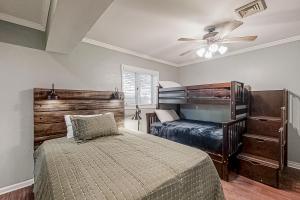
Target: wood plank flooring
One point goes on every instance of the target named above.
(241, 188)
(22, 194)
(238, 188)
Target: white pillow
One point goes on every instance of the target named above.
(70, 132)
(166, 115)
(169, 84)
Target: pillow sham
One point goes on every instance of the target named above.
(166, 115)
(70, 132)
(169, 84)
(87, 128)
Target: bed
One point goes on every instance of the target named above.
(222, 141)
(204, 135)
(233, 94)
(132, 165)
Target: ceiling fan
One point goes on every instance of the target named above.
(217, 35)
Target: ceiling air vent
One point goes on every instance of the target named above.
(251, 8)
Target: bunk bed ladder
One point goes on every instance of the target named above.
(238, 101)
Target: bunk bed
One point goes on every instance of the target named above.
(225, 137)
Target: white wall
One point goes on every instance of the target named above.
(22, 69)
(276, 67)
(20, 35)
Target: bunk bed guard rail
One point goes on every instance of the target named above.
(234, 94)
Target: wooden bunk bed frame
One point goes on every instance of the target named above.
(234, 94)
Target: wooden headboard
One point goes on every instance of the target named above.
(49, 120)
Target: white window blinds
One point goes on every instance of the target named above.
(139, 86)
(128, 86)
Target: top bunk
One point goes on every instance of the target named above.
(217, 93)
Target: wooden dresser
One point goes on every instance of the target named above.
(264, 152)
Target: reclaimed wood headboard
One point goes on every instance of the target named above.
(49, 122)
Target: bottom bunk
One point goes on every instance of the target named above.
(204, 135)
(222, 141)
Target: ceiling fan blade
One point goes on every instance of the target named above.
(191, 40)
(239, 39)
(187, 52)
(228, 27)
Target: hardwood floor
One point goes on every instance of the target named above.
(238, 188)
(241, 188)
(22, 194)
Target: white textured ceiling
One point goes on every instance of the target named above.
(34, 11)
(152, 27)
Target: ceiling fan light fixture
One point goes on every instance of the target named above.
(213, 48)
(223, 50)
(201, 52)
(212, 42)
(208, 55)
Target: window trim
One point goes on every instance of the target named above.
(139, 70)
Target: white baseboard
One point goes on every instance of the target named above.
(294, 165)
(16, 186)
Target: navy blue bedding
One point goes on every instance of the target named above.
(204, 135)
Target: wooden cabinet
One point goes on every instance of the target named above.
(263, 146)
(259, 169)
(262, 125)
(264, 152)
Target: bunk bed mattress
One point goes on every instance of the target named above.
(129, 166)
(204, 135)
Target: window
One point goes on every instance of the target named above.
(139, 86)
